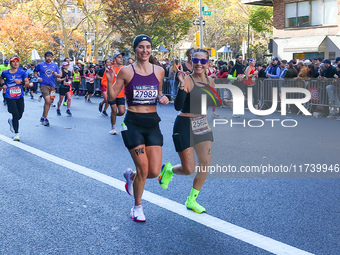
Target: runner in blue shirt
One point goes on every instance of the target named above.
(48, 71)
(14, 80)
(33, 82)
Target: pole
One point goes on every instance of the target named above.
(201, 25)
(248, 53)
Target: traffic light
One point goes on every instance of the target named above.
(198, 39)
(80, 2)
(213, 52)
(89, 49)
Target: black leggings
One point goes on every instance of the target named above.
(16, 108)
(76, 88)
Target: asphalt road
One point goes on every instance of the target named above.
(47, 207)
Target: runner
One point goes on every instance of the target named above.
(186, 136)
(90, 75)
(76, 82)
(140, 130)
(103, 84)
(64, 88)
(4, 67)
(120, 100)
(47, 71)
(14, 79)
(33, 82)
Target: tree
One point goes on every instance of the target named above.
(261, 19)
(163, 21)
(19, 35)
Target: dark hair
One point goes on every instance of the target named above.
(238, 55)
(106, 60)
(187, 53)
(290, 64)
(153, 60)
(231, 63)
(284, 62)
(201, 50)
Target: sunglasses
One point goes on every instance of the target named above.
(202, 60)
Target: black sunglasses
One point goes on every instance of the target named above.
(202, 60)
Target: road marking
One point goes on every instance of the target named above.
(207, 220)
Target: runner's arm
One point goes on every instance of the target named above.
(113, 90)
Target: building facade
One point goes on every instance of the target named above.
(304, 29)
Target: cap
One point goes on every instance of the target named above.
(238, 55)
(117, 54)
(139, 38)
(275, 58)
(92, 66)
(327, 61)
(337, 59)
(76, 67)
(307, 62)
(6, 61)
(163, 63)
(220, 62)
(66, 63)
(14, 59)
(48, 54)
(251, 60)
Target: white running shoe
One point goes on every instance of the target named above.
(10, 122)
(137, 214)
(113, 131)
(129, 182)
(16, 137)
(215, 114)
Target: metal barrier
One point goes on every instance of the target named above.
(319, 88)
(168, 88)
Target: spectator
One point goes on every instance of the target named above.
(223, 73)
(331, 73)
(284, 67)
(230, 65)
(275, 71)
(312, 72)
(261, 70)
(291, 71)
(302, 70)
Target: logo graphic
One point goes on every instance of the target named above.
(49, 72)
(238, 100)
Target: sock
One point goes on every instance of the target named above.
(193, 194)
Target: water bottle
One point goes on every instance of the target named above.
(123, 127)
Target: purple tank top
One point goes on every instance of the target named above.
(142, 90)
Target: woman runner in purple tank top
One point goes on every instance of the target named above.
(140, 130)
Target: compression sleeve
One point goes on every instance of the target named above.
(180, 98)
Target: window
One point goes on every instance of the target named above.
(303, 14)
(311, 13)
(330, 12)
(331, 55)
(317, 6)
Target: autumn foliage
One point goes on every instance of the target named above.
(19, 35)
(162, 20)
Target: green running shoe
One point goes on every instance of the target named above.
(193, 205)
(166, 175)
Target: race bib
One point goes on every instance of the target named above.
(77, 78)
(199, 125)
(52, 94)
(31, 84)
(91, 80)
(67, 83)
(15, 91)
(145, 94)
